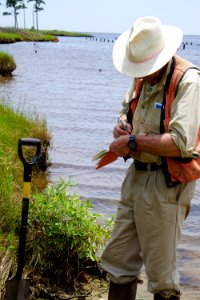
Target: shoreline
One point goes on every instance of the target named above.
(10, 35)
(100, 292)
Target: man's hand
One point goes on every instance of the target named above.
(120, 145)
(120, 131)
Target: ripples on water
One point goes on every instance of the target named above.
(74, 84)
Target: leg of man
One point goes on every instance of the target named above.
(159, 214)
(149, 220)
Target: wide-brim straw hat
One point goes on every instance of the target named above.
(146, 47)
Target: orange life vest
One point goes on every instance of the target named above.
(178, 169)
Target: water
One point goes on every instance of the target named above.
(75, 85)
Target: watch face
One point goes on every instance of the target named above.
(132, 145)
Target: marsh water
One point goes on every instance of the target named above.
(74, 84)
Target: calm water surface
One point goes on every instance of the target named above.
(74, 85)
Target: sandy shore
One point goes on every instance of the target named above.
(188, 292)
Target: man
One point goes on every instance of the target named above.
(161, 113)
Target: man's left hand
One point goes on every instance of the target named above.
(120, 146)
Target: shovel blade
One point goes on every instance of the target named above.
(17, 289)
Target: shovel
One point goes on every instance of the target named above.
(17, 288)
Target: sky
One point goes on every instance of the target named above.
(114, 16)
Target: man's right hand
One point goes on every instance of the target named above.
(119, 131)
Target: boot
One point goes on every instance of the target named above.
(166, 296)
(122, 291)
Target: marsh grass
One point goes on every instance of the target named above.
(11, 35)
(66, 33)
(7, 64)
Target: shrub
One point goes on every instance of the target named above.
(64, 234)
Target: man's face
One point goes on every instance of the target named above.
(156, 76)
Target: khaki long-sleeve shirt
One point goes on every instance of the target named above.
(185, 113)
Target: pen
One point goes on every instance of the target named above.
(123, 125)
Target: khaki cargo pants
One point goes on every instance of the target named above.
(147, 230)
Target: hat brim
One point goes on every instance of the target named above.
(173, 38)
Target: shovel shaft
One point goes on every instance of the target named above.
(26, 195)
(22, 238)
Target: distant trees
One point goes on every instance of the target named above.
(23, 6)
(37, 8)
(17, 5)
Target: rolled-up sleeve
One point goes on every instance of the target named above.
(185, 114)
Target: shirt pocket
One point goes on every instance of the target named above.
(152, 118)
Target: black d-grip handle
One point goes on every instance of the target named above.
(29, 142)
(28, 164)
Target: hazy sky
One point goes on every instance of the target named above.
(113, 16)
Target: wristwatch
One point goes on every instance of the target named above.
(132, 143)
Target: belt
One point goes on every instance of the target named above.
(146, 166)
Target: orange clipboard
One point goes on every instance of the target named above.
(105, 157)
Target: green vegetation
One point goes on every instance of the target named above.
(65, 33)
(11, 35)
(64, 232)
(7, 64)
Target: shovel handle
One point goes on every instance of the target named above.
(29, 142)
(28, 164)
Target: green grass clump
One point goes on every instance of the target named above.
(7, 64)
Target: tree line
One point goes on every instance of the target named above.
(15, 6)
